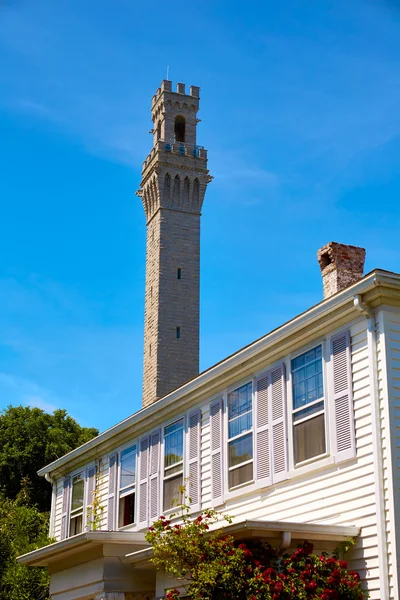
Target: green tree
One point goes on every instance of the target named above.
(31, 438)
(23, 528)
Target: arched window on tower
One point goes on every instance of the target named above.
(167, 188)
(159, 131)
(179, 131)
(196, 194)
(177, 190)
(186, 187)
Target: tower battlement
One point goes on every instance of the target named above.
(166, 86)
(174, 182)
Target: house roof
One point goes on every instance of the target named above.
(376, 287)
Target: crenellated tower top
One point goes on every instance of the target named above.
(174, 174)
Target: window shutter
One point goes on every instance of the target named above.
(144, 482)
(65, 507)
(216, 453)
(91, 484)
(263, 472)
(278, 414)
(155, 474)
(194, 460)
(341, 387)
(112, 488)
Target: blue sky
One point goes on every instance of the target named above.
(300, 114)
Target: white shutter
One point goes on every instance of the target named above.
(278, 421)
(65, 507)
(91, 484)
(216, 453)
(263, 429)
(194, 460)
(155, 475)
(341, 390)
(144, 482)
(112, 492)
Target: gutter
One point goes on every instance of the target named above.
(366, 310)
(376, 277)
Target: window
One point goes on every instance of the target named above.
(308, 405)
(179, 273)
(178, 333)
(179, 129)
(77, 496)
(240, 436)
(173, 463)
(127, 487)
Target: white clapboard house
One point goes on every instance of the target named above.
(296, 435)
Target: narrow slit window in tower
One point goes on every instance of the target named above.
(159, 131)
(179, 273)
(178, 333)
(180, 126)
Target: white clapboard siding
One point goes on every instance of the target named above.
(336, 494)
(389, 396)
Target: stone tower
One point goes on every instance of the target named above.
(174, 181)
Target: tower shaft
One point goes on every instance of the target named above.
(174, 180)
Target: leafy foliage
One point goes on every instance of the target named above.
(212, 567)
(30, 439)
(23, 528)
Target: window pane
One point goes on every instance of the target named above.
(309, 438)
(77, 492)
(240, 401)
(307, 377)
(241, 475)
(307, 412)
(126, 510)
(172, 491)
(173, 439)
(128, 467)
(76, 525)
(240, 424)
(241, 450)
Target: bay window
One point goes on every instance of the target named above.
(127, 486)
(240, 435)
(173, 463)
(308, 410)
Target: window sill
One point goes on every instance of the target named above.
(312, 465)
(128, 527)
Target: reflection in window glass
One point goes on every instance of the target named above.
(173, 464)
(240, 444)
(308, 405)
(77, 499)
(127, 487)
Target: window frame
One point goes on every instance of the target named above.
(185, 458)
(237, 489)
(118, 496)
(308, 464)
(82, 473)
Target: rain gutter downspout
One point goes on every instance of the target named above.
(367, 311)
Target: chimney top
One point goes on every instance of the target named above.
(340, 265)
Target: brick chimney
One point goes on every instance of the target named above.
(340, 266)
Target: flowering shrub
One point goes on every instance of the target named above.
(215, 567)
